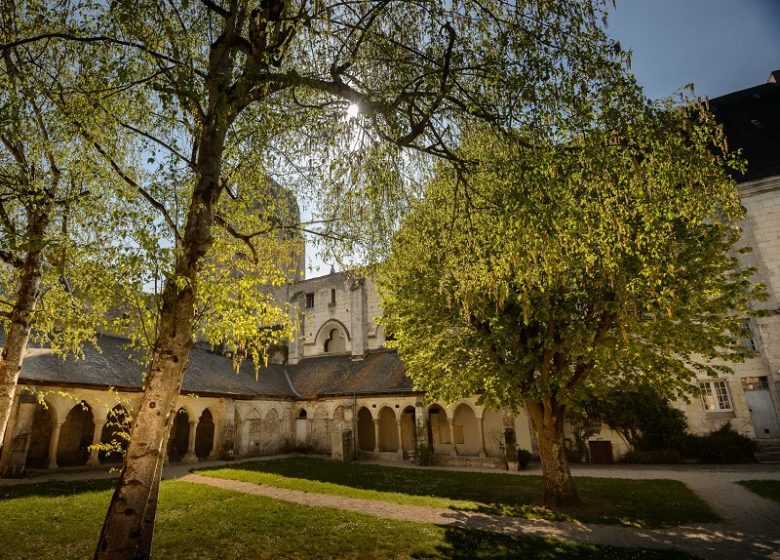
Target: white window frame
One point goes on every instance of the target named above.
(715, 396)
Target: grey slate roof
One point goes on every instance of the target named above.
(379, 371)
(207, 373)
(751, 120)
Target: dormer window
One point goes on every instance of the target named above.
(310, 301)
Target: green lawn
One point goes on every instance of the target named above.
(62, 520)
(766, 488)
(639, 503)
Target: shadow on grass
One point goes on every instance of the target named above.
(462, 544)
(55, 488)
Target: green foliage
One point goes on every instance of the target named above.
(722, 446)
(573, 267)
(641, 415)
(423, 455)
(523, 458)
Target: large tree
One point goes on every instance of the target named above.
(562, 271)
(55, 201)
(230, 90)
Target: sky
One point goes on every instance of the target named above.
(719, 46)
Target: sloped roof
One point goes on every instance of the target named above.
(113, 366)
(379, 371)
(751, 120)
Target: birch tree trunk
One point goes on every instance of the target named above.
(129, 517)
(20, 324)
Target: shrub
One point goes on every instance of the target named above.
(724, 445)
(523, 458)
(423, 455)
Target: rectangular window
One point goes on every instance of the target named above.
(755, 383)
(309, 301)
(333, 296)
(750, 342)
(715, 395)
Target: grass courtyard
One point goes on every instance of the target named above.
(60, 520)
(638, 503)
(766, 488)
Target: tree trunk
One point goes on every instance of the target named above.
(548, 420)
(20, 324)
(130, 517)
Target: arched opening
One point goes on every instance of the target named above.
(319, 428)
(301, 427)
(40, 438)
(76, 436)
(204, 435)
(465, 430)
(409, 428)
(253, 430)
(335, 342)
(180, 436)
(365, 427)
(116, 434)
(439, 430)
(271, 429)
(388, 430)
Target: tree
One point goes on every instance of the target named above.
(54, 204)
(605, 259)
(233, 90)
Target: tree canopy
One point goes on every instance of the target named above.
(572, 268)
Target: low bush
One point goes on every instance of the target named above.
(724, 445)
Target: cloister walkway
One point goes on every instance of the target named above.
(751, 527)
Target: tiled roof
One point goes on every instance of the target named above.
(751, 120)
(113, 366)
(379, 371)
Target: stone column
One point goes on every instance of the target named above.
(400, 438)
(54, 444)
(421, 427)
(94, 458)
(215, 442)
(376, 435)
(481, 429)
(190, 456)
(454, 451)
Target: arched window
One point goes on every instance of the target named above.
(335, 342)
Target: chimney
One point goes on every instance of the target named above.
(774, 77)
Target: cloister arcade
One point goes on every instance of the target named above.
(88, 432)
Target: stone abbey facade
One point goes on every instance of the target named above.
(336, 389)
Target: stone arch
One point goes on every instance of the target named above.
(179, 439)
(365, 428)
(204, 435)
(439, 429)
(76, 436)
(333, 336)
(44, 420)
(409, 428)
(116, 434)
(465, 430)
(388, 429)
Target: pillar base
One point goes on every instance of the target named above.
(189, 458)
